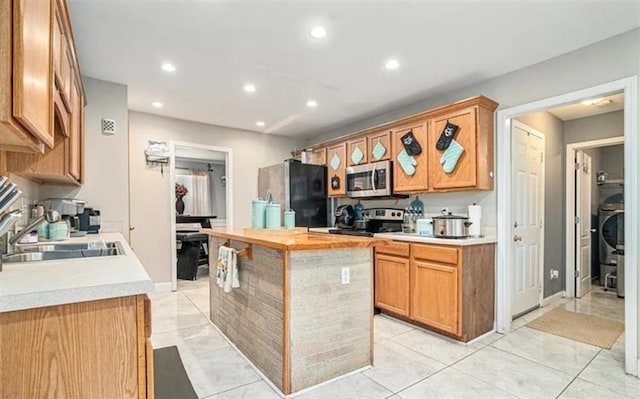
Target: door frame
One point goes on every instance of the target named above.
(632, 196)
(542, 136)
(228, 159)
(570, 209)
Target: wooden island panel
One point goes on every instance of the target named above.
(252, 316)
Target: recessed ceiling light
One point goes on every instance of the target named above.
(592, 101)
(168, 67)
(249, 88)
(312, 104)
(157, 104)
(260, 123)
(318, 32)
(392, 64)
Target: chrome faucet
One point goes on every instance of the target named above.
(49, 216)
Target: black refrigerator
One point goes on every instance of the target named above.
(298, 186)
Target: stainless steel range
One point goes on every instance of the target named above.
(380, 220)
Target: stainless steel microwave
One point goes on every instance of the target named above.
(370, 180)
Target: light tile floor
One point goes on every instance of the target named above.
(411, 363)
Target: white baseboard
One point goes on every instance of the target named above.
(550, 299)
(163, 287)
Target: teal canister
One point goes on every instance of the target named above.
(258, 209)
(273, 216)
(289, 219)
(43, 231)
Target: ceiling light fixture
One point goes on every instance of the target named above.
(157, 104)
(392, 64)
(168, 67)
(249, 88)
(312, 104)
(260, 123)
(593, 101)
(318, 32)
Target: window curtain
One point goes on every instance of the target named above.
(198, 199)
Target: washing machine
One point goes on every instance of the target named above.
(611, 235)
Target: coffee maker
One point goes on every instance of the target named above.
(69, 210)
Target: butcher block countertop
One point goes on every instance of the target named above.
(295, 240)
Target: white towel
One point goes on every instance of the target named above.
(227, 269)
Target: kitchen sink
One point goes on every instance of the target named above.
(36, 253)
(69, 247)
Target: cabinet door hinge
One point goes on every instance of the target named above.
(576, 219)
(576, 166)
(577, 273)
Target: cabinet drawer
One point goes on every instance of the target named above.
(393, 248)
(435, 253)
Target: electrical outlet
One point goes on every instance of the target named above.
(554, 274)
(345, 275)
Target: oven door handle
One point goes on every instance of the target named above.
(373, 178)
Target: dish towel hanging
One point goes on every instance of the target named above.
(227, 269)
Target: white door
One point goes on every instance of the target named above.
(583, 223)
(527, 182)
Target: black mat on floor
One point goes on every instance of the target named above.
(170, 378)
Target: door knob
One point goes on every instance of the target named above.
(592, 230)
(517, 238)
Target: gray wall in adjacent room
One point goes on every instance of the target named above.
(613, 161)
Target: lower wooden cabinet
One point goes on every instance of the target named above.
(434, 295)
(96, 349)
(446, 288)
(392, 283)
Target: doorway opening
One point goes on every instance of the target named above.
(200, 182)
(556, 288)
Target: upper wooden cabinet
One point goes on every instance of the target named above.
(474, 168)
(472, 171)
(26, 75)
(412, 173)
(336, 165)
(379, 145)
(62, 161)
(357, 151)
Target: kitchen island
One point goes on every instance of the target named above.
(303, 313)
(76, 328)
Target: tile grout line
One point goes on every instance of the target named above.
(538, 363)
(580, 372)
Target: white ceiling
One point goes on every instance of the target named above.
(218, 46)
(614, 102)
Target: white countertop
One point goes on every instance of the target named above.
(46, 283)
(461, 242)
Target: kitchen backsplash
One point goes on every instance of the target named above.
(456, 203)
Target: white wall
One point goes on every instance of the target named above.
(150, 197)
(106, 157)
